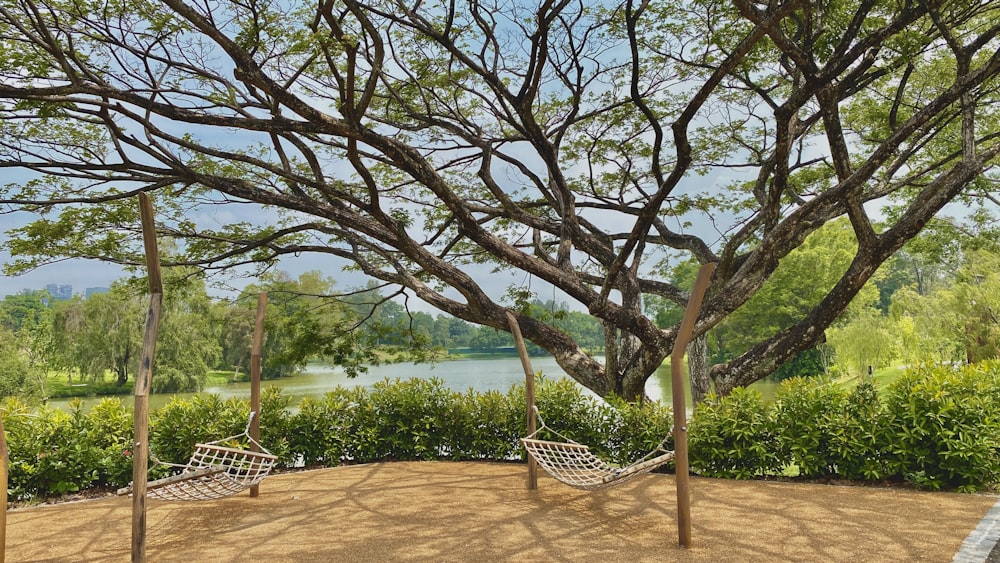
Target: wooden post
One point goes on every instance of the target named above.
(140, 449)
(258, 344)
(529, 392)
(680, 403)
(4, 475)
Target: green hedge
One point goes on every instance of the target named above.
(942, 427)
(54, 452)
(934, 427)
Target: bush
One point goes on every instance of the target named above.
(733, 437)
(405, 420)
(942, 426)
(805, 418)
(567, 410)
(636, 429)
(829, 432)
(936, 427)
(175, 428)
(54, 452)
(276, 423)
(487, 425)
(322, 431)
(109, 432)
(855, 437)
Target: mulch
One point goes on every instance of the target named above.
(449, 511)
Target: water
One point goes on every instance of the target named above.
(479, 374)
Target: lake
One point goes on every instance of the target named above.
(479, 374)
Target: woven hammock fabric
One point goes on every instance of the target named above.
(214, 472)
(574, 464)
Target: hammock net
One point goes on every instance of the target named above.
(214, 472)
(575, 465)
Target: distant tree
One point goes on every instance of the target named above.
(441, 332)
(235, 322)
(28, 317)
(103, 334)
(459, 331)
(111, 338)
(584, 328)
(24, 307)
(977, 300)
(490, 340)
(17, 376)
(797, 286)
(954, 322)
(421, 327)
(305, 320)
(98, 335)
(187, 341)
(929, 327)
(869, 340)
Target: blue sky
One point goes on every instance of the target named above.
(82, 274)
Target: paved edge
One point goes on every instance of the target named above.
(977, 547)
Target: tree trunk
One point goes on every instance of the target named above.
(697, 354)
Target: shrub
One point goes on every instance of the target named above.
(567, 410)
(175, 428)
(942, 426)
(936, 427)
(276, 423)
(48, 451)
(637, 428)
(805, 418)
(854, 436)
(827, 431)
(733, 437)
(321, 432)
(405, 420)
(109, 433)
(487, 425)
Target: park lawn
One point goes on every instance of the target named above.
(882, 379)
(59, 385)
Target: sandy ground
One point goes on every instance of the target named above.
(446, 511)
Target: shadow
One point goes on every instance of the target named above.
(447, 511)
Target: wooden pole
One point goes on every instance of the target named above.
(140, 450)
(258, 344)
(529, 392)
(4, 476)
(680, 404)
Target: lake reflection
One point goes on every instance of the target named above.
(479, 374)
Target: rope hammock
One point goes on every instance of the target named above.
(214, 471)
(573, 463)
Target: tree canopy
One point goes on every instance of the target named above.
(586, 144)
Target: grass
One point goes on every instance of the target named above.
(59, 386)
(881, 378)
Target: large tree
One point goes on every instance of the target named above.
(579, 142)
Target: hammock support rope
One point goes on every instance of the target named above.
(214, 471)
(575, 465)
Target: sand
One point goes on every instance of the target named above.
(449, 511)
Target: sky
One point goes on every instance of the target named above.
(82, 274)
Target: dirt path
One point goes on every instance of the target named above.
(446, 511)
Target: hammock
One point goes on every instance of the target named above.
(214, 471)
(573, 463)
